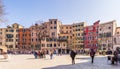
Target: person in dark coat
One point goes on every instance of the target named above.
(115, 57)
(72, 55)
(59, 51)
(92, 54)
(35, 54)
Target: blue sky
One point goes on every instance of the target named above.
(27, 12)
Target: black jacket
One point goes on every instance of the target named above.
(72, 54)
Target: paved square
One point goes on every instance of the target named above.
(58, 62)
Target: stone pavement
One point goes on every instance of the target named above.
(58, 62)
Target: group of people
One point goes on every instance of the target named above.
(116, 56)
(39, 54)
(42, 54)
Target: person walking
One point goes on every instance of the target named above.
(51, 54)
(59, 52)
(115, 57)
(35, 54)
(72, 55)
(92, 54)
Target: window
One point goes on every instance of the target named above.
(9, 35)
(16, 46)
(78, 34)
(16, 40)
(25, 34)
(11, 30)
(29, 34)
(108, 34)
(66, 32)
(81, 24)
(32, 40)
(32, 34)
(51, 27)
(55, 22)
(62, 32)
(0, 43)
(66, 27)
(22, 34)
(43, 45)
(50, 45)
(73, 34)
(55, 27)
(51, 22)
(63, 44)
(54, 45)
(36, 39)
(47, 45)
(53, 33)
(17, 30)
(6, 30)
(23, 30)
(67, 36)
(11, 46)
(0, 29)
(115, 40)
(117, 32)
(109, 27)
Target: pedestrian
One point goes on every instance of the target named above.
(41, 54)
(51, 54)
(44, 54)
(72, 55)
(35, 54)
(38, 54)
(59, 51)
(92, 55)
(115, 57)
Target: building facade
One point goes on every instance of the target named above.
(53, 35)
(46, 33)
(66, 34)
(106, 33)
(11, 36)
(2, 36)
(78, 32)
(24, 36)
(91, 36)
(116, 39)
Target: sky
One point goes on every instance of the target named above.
(27, 12)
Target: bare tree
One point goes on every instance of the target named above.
(1, 12)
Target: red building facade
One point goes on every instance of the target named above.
(91, 36)
(24, 38)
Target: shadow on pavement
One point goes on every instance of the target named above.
(99, 63)
(2, 58)
(82, 58)
(4, 61)
(30, 58)
(37, 58)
